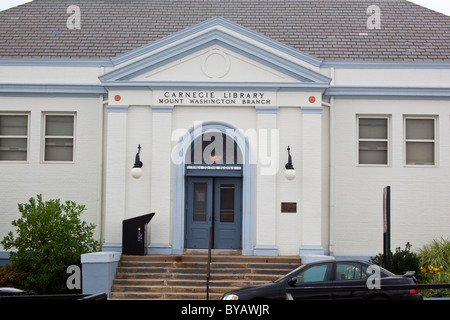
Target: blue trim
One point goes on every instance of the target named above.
(307, 250)
(99, 269)
(196, 85)
(266, 109)
(117, 108)
(265, 250)
(56, 62)
(4, 258)
(53, 90)
(161, 109)
(216, 22)
(207, 39)
(367, 64)
(312, 110)
(159, 248)
(384, 92)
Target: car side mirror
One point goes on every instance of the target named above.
(292, 281)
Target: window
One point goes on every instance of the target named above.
(373, 141)
(420, 141)
(199, 212)
(59, 136)
(316, 273)
(13, 137)
(350, 271)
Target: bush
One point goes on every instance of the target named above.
(50, 237)
(401, 260)
(437, 253)
(435, 261)
(11, 276)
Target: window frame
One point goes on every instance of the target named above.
(45, 137)
(387, 140)
(27, 136)
(362, 270)
(434, 141)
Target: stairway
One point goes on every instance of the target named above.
(183, 277)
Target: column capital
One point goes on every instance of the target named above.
(266, 109)
(162, 108)
(117, 108)
(312, 110)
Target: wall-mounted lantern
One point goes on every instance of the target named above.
(136, 172)
(290, 171)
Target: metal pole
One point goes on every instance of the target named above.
(208, 273)
(387, 227)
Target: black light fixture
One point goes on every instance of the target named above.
(290, 171)
(136, 172)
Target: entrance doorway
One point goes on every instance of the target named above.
(214, 202)
(239, 166)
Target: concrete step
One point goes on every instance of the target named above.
(184, 277)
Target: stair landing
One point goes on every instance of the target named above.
(183, 277)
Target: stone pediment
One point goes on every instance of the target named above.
(216, 52)
(215, 64)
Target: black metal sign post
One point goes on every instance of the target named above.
(387, 227)
(208, 272)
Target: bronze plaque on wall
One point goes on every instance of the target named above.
(289, 207)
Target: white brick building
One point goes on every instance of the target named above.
(360, 109)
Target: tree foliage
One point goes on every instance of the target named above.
(50, 236)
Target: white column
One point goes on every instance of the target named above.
(115, 176)
(139, 132)
(266, 173)
(161, 165)
(311, 181)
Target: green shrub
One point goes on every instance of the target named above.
(435, 261)
(13, 277)
(436, 253)
(401, 260)
(50, 236)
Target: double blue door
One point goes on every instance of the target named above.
(216, 203)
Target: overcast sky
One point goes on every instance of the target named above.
(442, 6)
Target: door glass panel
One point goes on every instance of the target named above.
(199, 213)
(227, 203)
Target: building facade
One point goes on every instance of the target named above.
(215, 110)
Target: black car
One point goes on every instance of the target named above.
(336, 274)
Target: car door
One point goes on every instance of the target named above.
(315, 275)
(349, 273)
